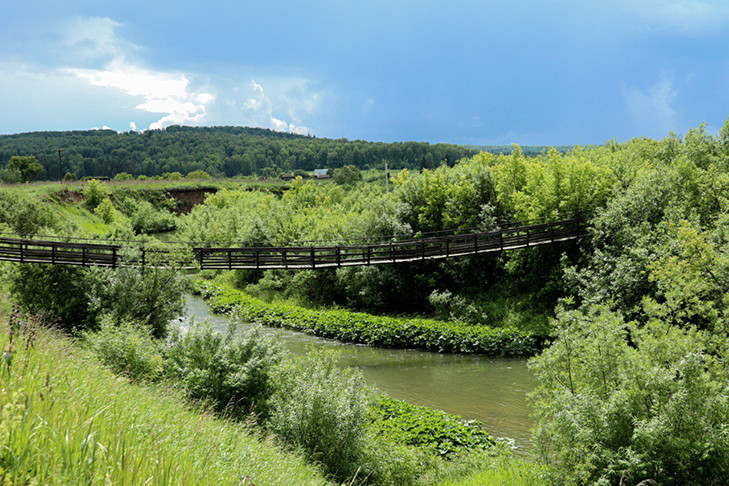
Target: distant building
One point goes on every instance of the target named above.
(287, 177)
(322, 174)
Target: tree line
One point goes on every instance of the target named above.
(220, 151)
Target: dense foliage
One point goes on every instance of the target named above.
(231, 372)
(323, 409)
(446, 434)
(428, 334)
(218, 151)
(634, 389)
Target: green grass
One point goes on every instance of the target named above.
(52, 187)
(67, 420)
(505, 471)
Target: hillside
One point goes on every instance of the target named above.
(221, 151)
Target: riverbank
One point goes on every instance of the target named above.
(68, 420)
(360, 328)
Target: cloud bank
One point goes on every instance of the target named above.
(91, 56)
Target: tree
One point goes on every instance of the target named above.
(27, 165)
(347, 175)
(94, 192)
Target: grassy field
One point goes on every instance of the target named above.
(67, 420)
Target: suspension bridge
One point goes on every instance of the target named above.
(61, 251)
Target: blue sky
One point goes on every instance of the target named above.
(547, 72)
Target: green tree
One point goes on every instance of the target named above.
(28, 167)
(94, 193)
(347, 175)
(623, 404)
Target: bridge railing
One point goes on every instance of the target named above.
(397, 251)
(218, 257)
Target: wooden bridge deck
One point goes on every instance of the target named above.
(292, 257)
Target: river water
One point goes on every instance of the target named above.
(492, 390)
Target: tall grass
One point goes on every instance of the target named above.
(64, 419)
(511, 472)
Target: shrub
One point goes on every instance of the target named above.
(151, 296)
(623, 404)
(173, 176)
(232, 373)
(59, 290)
(70, 177)
(105, 210)
(24, 215)
(10, 175)
(127, 349)
(94, 192)
(123, 176)
(199, 174)
(145, 218)
(323, 409)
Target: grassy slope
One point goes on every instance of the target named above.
(67, 420)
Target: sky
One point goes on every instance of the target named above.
(483, 72)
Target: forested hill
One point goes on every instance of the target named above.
(221, 151)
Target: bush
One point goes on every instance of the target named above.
(127, 349)
(70, 177)
(94, 192)
(323, 409)
(623, 404)
(151, 296)
(59, 290)
(145, 218)
(105, 210)
(25, 215)
(199, 174)
(123, 176)
(232, 373)
(10, 175)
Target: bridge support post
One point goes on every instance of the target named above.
(113, 256)
(339, 257)
(313, 261)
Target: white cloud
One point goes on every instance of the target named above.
(259, 107)
(93, 39)
(691, 17)
(93, 76)
(651, 109)
(167, 93)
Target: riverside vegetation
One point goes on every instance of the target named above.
(633, 384)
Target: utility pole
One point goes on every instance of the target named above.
(387, 178)
(60, 164)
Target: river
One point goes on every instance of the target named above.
(492, 390)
